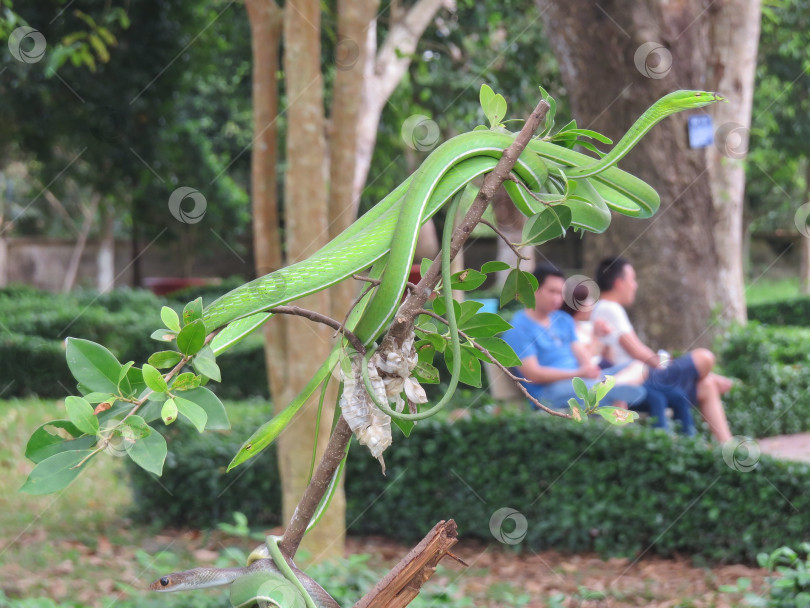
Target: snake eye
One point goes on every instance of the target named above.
(164, 581)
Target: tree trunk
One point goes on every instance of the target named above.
(78, 249)
(617, 59)
(105, 259)
(802, 220)
(307, 229)
(383, 71)
(510, 221)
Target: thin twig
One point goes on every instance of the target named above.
(353, 306)
(375, 282)
(518, 381)
(317, 317)
(506, 240)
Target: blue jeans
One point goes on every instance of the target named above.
(659, 397)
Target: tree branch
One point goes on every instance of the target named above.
(505, 239)
(317, 317)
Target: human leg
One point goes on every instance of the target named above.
(654, 404)
(681, 408)
(712, 409)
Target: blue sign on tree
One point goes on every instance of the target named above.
(701, 131)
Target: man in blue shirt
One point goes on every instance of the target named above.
(545, 340)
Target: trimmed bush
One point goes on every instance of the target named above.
(795, 311)
(772, 365)
(618, 491)
(30, 365)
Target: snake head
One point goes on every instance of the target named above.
(162, 584)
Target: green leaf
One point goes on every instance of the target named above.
(92, 365)
(81, 414)
(486, 96)
(439, 308)
(616, 415)
(470, 367)
(205, 364)
(509, 289)
(192, 311)
(165, 359)
(580, 389)
(468, 310)
(98, 397)
(148, 452)
(124, 371)
(426, 373)
(55, 472)
(138, 427)
(576, 411)
(191, 338)
(437, 341)
(424, 266)
(170, 318)
(193, 412)
(214, 410)
(500, 350)
(169, 411)
(425, 350)
(494, 266)
(498, 110)
(406, 426)
(154, 379)
(467, 280)
(549, 224)
(526, 286)
(604, 387)
(484, 324)
(45, 441)
(163, 335)
(185, 382)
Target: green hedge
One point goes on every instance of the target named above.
(616, 491)
(772, 365)
(35, 324)
(795, 311)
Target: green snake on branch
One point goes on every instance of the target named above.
(385, 239)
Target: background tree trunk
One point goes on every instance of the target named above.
(307, 230)
(618, 58)
(105, 259)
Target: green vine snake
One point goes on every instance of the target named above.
(386, 235)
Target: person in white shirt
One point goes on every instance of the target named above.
(691, 373)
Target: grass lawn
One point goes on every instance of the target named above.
(771, 290)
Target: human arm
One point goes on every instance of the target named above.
(638, 350)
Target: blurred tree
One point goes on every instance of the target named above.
(147, 119)
(778, 166)
(624, 56)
